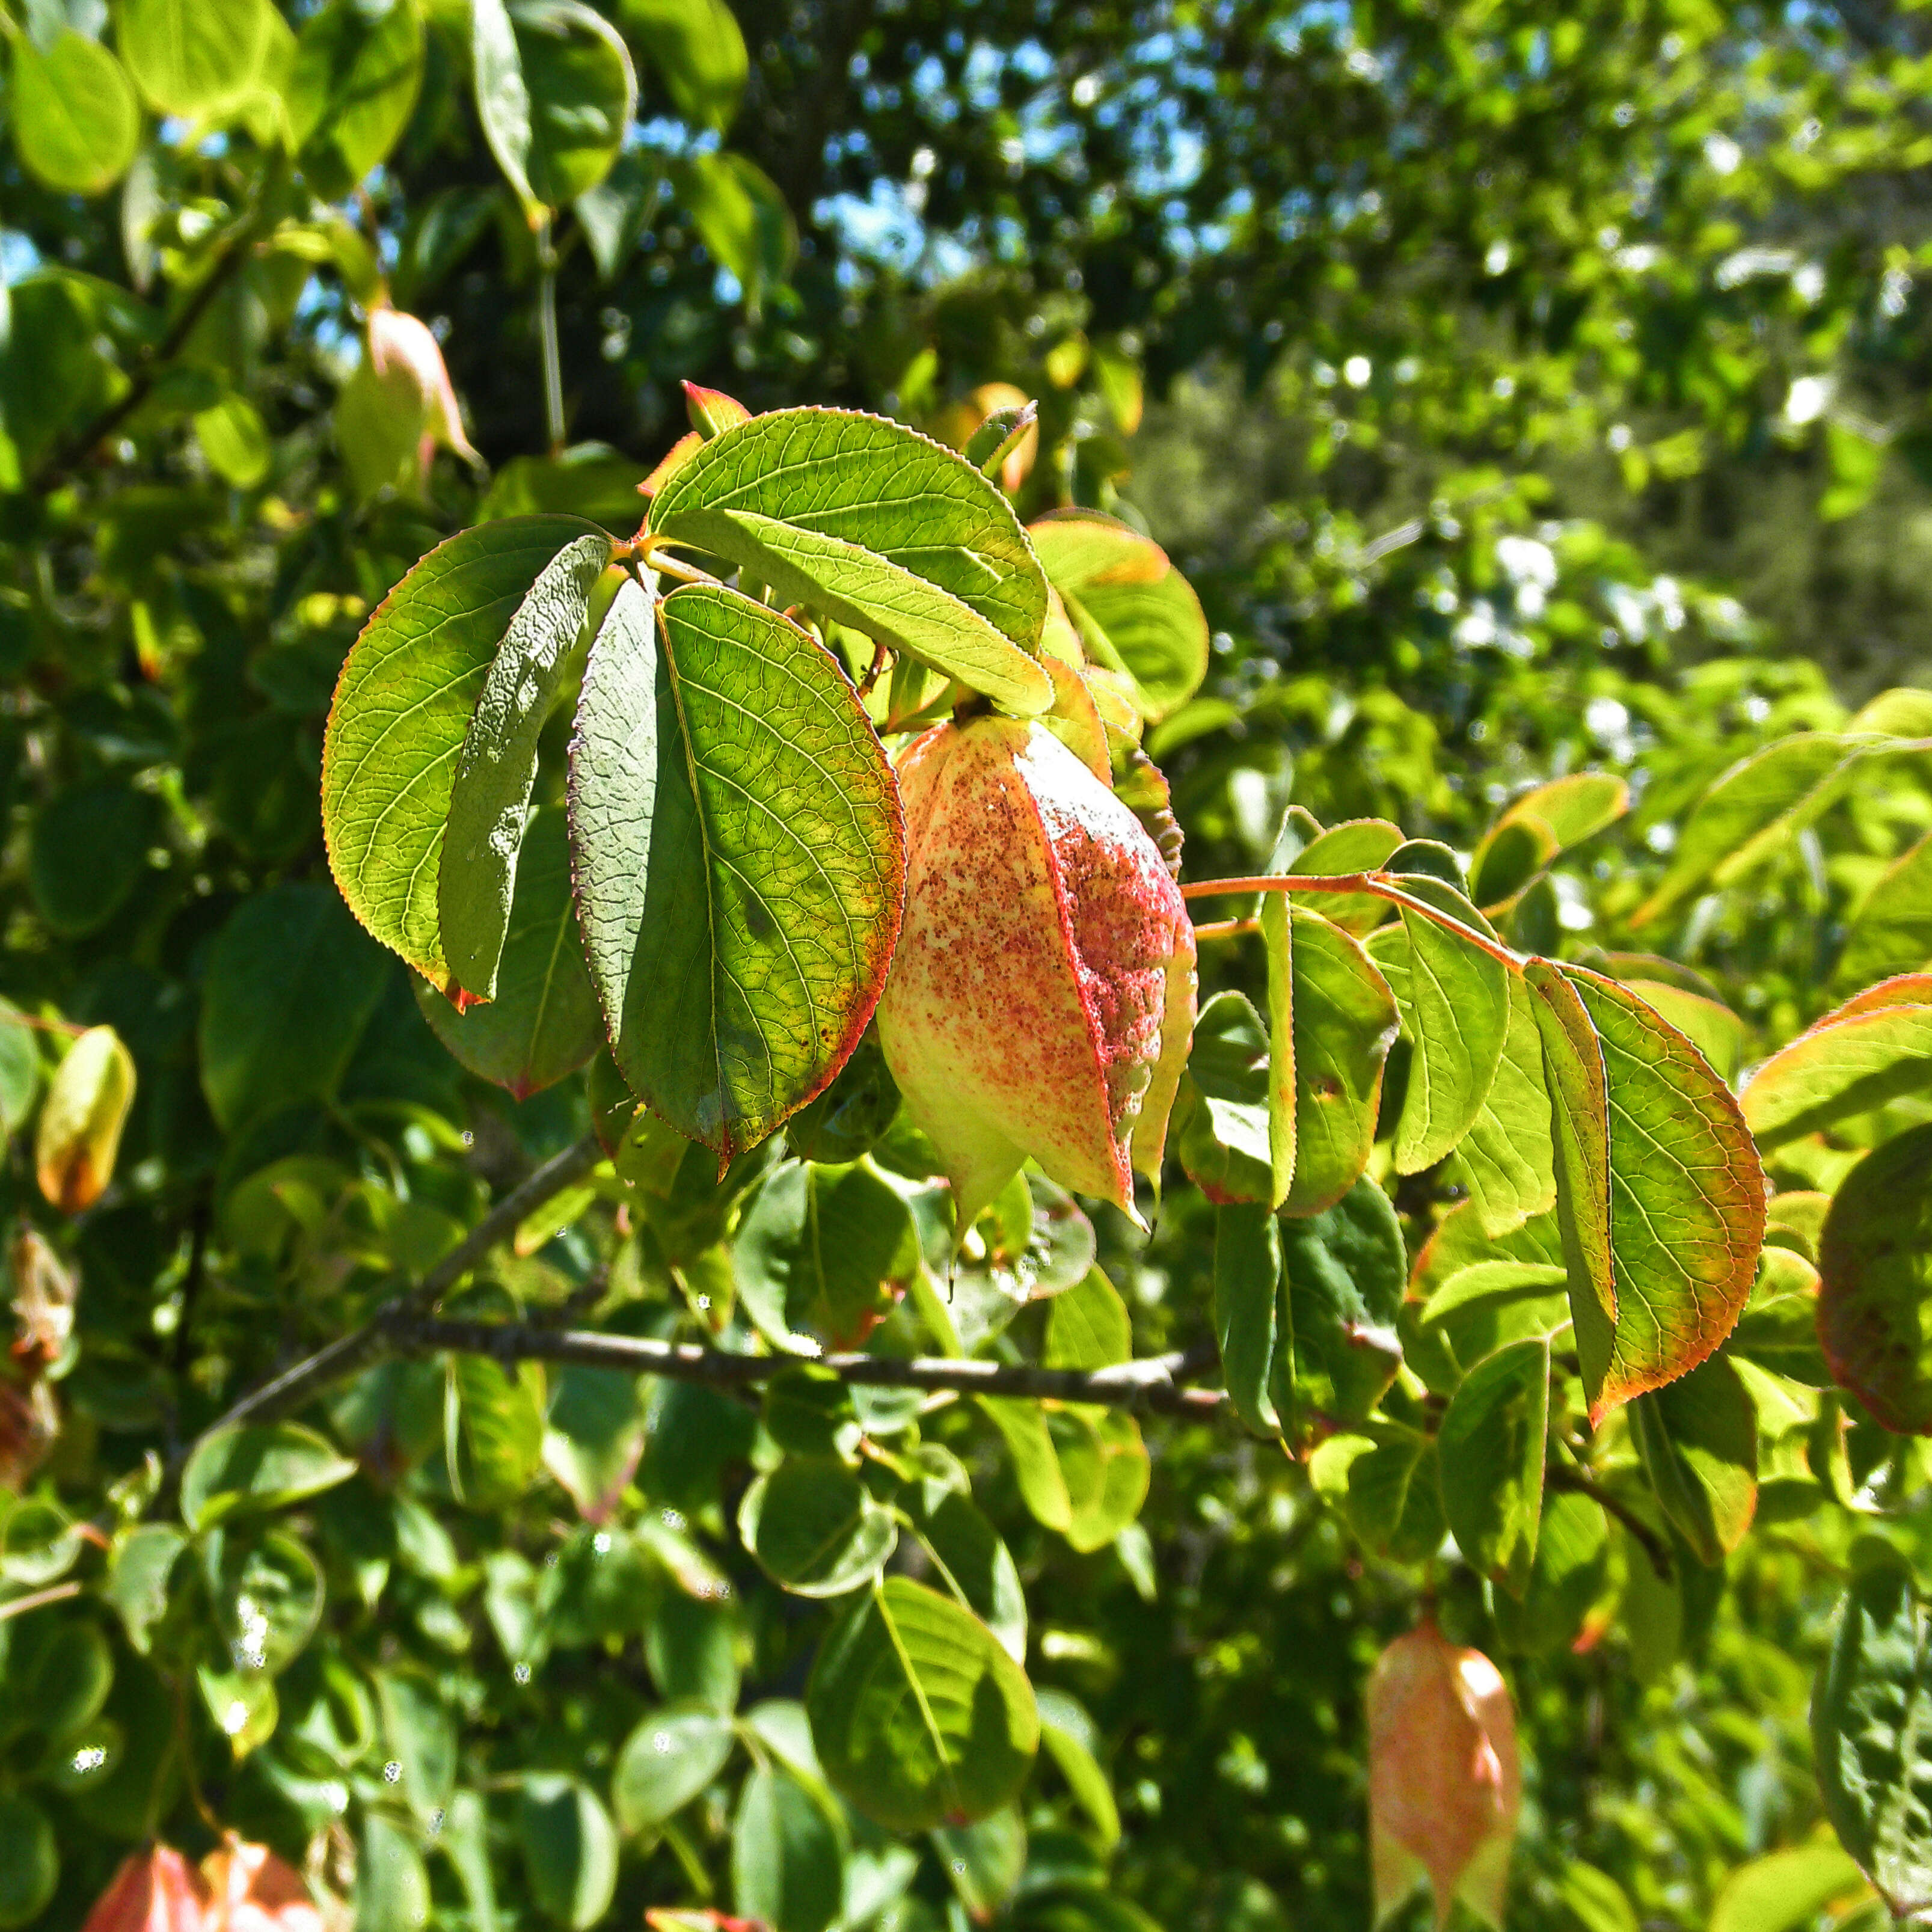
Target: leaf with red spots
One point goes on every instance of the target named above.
(739, 858)
(1659, 1190)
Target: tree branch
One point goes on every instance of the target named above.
(1152, 1384)
(347, 1353)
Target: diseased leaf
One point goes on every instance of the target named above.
(739, 856)
(543, 1021)
(489, 795)
(1871, 1050)
(401, 714)
(883, 529)
(1659, 1192)
(920, 1716)
(1875, 1275)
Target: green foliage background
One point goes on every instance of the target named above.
(1520, 392)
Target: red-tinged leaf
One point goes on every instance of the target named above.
(712, 411)
(251, 1890)
(1873, 1048)
(1875, 1269)
(81, 1120)
(155, 1891)
(1660, 1190)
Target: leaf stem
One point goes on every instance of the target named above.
(55, 1593)
(552, 358)
(1376, 885)
(1225, 928)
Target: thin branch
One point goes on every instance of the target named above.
(347, 1353)
(152, 366)
(1562, 1477)
(55, 1593)
(1150, 1384)
(1224, 928)
(1376, 885)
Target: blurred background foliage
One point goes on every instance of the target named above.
(1521, 389)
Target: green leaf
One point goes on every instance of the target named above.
(56, 1675)
(1344, 1022)
(1042, 1486)
(975, 1563)
(543, 1020)
(1454, 1001)
(1875, 1271)
(696, 48)
(831, 1247)
(290, 987)
(267, 1594)
(1871, 1050)
(198, 57)
(711, 779)
(493, 1430)
(850, 1117)
(20, 1069)
(489, 795)
(1660, 1193)
(1485, 1284)
(1786, 1892)
(1222, 1115)
(76, 124)
(1871, 1729)
(1508, 1155)
(1546, 820)
(137, 1579)
(1247, 1281)
(1698, 1441)
(85, 854)
(29, 1860)
(352, 89)
(1344, 1275)
(1359, 845)
(1135, 612)
(984, 1861)
(673, 1753)
(881, 528)
(815, 1527)
(1891, 931)
(1070, 1739)
(1283, 1093)
(1599, 1903)
(920, 1716)
(234, 440)
(1088, 1326)
(1491, 1445)
(741, 218)
(1751, 811)
(402, 715)
(1390, 1492)
(258, 1466)
(391, 1885)
(1105, 1467)
(582, 92)
(502, 96)
(593, 1436)
(788, 1867)
(569, 1847)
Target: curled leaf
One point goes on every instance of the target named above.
(80, 1126)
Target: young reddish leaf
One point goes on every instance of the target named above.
(1875, 1270)
(1042, 994)
(1659, 1188)
(1877, 1045)
(402, 711)
(155, 1891)
(1444, 1782)
(251, 1890)
(712, 411)
(81, 1120)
